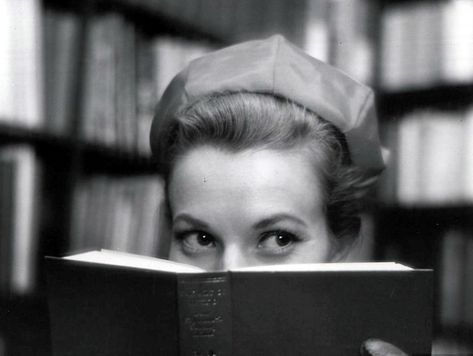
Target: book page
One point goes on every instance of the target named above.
(117, 258)
(312, 267)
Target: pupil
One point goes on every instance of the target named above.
(204, 239)
(283, 240)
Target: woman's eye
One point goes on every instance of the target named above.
(277, 241)
(196, 241)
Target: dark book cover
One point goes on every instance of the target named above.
(114, 310)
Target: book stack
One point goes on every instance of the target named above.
(20, 63)
(456, 278)
(431, 159)
(426, 43)
(123, 214)
(19, 186)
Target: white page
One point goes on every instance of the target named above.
(118, 258)
(348, 266)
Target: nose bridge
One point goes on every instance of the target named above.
(233, 256)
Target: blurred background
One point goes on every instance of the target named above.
(78, 84)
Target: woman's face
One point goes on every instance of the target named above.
(255, 207)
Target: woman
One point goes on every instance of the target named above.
(266, 153)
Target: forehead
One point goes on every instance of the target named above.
(254, 179)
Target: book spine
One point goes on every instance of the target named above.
(204, 306)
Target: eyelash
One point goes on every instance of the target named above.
(264, 237)
(182, 235)
(280, 232)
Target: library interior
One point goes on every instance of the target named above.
(79, 84)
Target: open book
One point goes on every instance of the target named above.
(124, 259)
(114, 303)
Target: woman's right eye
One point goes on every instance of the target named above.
(196, 241)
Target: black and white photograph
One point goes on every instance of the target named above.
(236, 177)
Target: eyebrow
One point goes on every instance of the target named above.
(200, 224)
(271, 220)
(264, 223)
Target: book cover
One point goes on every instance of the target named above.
(101, 308)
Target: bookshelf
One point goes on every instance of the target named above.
(84, 154)
(425, 95)
(414, 233)
(443, 97)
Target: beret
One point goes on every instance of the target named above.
(275, 66)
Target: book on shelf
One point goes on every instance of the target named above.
(431, 158)
(110, 303)
(426, 43)
(118, 213)
(317, 40)
(20, 63)
(467, 163)
(108, 102)
(457, 43)
(396, 48)
(19, 193)
(125, 73)
(409, 157)
(467, 310)
(456, 278)
(441, 158)
(351, 40)
(61, 35)
(145, 91)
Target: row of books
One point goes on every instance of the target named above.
(236, 20)
(456, 278)
(123, 214)
(124, 76)
(425, 43)
(19, 195)
(335, 31)
(329, 30)
(126, 71)
(431, 159)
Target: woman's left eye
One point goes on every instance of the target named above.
(277, 241)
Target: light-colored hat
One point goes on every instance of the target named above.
(275, 66)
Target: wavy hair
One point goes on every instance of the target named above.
(240, 121)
